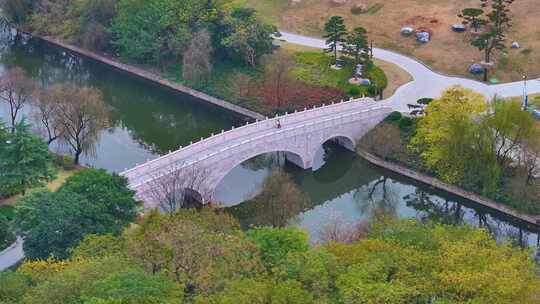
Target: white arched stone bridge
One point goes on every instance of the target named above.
(300, 136)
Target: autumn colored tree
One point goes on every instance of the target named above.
(197, 59)
(201, 250)
(445, 136)
(17, 91)
(47, 112)
(83, 115)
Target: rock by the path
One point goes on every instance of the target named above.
(407, 31)
(365, 82)
(476, 68)
(423, 37)
(458, 27)
(515, 45)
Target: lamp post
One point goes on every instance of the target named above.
(525, 96)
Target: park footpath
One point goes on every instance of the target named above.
(436, 183)
(11, 255)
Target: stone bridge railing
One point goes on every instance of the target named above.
(253, 136)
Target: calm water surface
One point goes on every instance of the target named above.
(148, 120)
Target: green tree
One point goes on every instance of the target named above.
(51, 223)
(75, 280)
(99, 246)
(335, 32)
(90, 202)
(14, 286)
(201, 250)
(472, 17)
(316, 269)
(445, 136)
(134, 286)
(17, 11)
(244, 36)
(25, 161)
(276, 244)
(511, 127)
(412, 262)
(498, 22)
(6, 234)
(108, 192)
(357, 45)
(137, 31)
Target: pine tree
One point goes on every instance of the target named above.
(335, 34)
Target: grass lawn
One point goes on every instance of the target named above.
(448, 52)
(310, 69)
(53, 185)
(314, 68)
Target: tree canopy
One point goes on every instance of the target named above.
(91, 201)
(202, 257)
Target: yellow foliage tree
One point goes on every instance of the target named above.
(445, 136)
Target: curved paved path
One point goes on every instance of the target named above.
(12, 255)
(426, 82)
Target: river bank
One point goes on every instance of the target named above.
(153, 78)
(433, 182)
(436, 183)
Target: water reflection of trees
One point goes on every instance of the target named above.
(379, 197)
(433, 208)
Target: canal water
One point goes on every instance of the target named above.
(148, 120)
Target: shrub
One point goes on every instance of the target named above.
(354, 91)
(405, 123)
(6, 234)
(65, 162)
(357, 9)
(372, 90)
(376, 75)
(424, 101)
(394, 116)
(276, 244)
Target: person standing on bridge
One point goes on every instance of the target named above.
(278, 125)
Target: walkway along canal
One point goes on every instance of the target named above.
(148, 120)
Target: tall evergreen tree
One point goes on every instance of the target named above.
(357, 45)
(498, 23)
(335, 34)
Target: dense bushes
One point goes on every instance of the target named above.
(90, 201)
(7, 237)
(202, 257)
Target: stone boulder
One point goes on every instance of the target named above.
(476, 68)
(458, 27)
(423, 37)
(407, 31)
(515, 45)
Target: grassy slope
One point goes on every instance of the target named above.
(448, 52)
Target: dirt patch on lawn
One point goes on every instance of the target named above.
(448, 52)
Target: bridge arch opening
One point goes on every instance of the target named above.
(322, 152)
(193, 198)
(243, 180)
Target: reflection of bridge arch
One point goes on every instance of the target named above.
(292, 155)
(299, 134)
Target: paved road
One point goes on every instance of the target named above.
(426, 82)
(11, 255)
